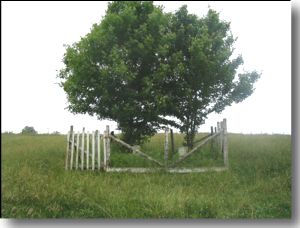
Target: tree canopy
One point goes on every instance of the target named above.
(140, 66)
(28, 130)
(201, 70)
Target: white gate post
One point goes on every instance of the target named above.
(87, 149)
(93, 150)
(77, 149)
(225, 143)
(72, 150)
(98, 150)
(105, 150)
(107, 146)
(222, 138)
(82, 150)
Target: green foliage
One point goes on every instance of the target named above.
(139, 66)
(110, 72)
(258, 183)
(28, 130)
(202, 70)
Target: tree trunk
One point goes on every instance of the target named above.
(190, 134)
(189, 138)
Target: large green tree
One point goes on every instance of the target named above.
(139, 66)
(28, 130)
(201, 71)
(110, 71)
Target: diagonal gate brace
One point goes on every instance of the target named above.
(136, 151)
(195, 148)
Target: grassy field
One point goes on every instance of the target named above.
(257, 184)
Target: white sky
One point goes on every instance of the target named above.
(33, 34)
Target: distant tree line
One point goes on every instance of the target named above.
(29, 130)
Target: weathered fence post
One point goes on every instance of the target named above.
(166, 145)
(98, 149)
(212, 140)
(82, 150)
(93, 150)
(68, 147)
(87, 149)
(77, 149)
(225, 145)
(104, 150)
(72, 150)
(220, 136)
(216, 144)
(172, 144)
(107, 146)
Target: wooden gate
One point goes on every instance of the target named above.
(80, 156)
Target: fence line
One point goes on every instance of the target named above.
(83, 155)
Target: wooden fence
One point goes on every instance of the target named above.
(84, 151)
(79, 155)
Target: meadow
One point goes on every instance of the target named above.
(256, 185)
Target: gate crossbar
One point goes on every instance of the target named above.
(168, 170)
(195, 148)
(136, 151)
(73, 148)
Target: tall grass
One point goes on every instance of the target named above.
(257, 184)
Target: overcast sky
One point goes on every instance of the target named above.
(33, 34)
